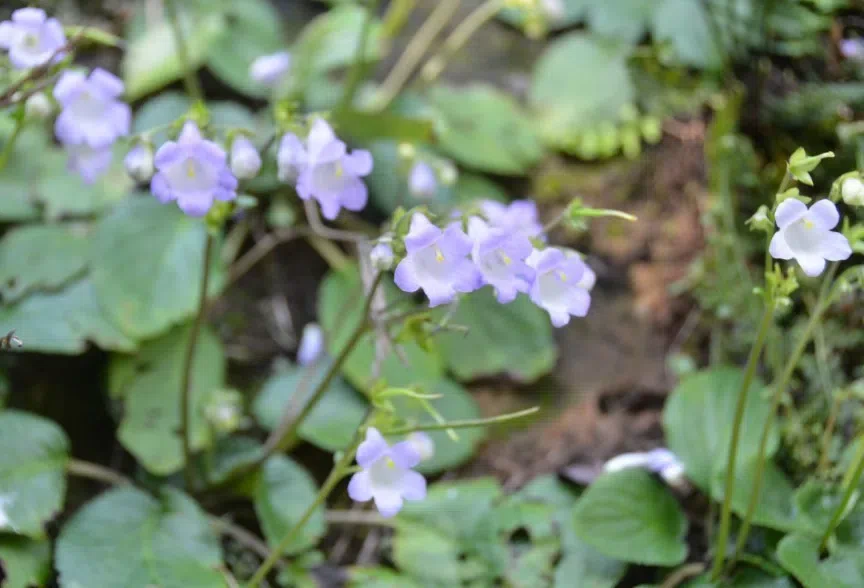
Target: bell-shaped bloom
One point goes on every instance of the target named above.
(805, 235)
(557, 285)
(269, 70)
(245, 160)
(520, 216)
(331, 174)
(31, 38)
(311, 344)
(139, 163)
(386, 475)
(422, 181)
(500, 256)
(194, 172)
(437, 262)
(291, 158)
(88, 162)
(91, 112)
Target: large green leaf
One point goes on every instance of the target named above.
(626, 20)
(126, 538)
(513, 339)
(32, 472)
(698, 422)
(578, 82)
(593, 569)
(40, 256)
(455, 508)
(146, 264)
(428, 555)
(21, 173)
(776, 508)
(485, 129)
(281, 496)
(149, 384)
(628, 515)
(800, 555)
(25, 562)
(685, 25)
(333, 421)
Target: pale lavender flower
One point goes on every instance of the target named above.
(382, 256)
(806, 235)
(500, 256)
(31, 38)
(245, 160)
(852, 49)
(194, 172)
(92, 113)
(436, 262)
(291, 158)
(659, 461)
(139, 163)
(331, 174)
(269, 70)
(88, 162)
(386, 475)
(520, 216)
(311, 344)
(556, 288)
(422, 181)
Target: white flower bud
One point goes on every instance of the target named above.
(311, 344)
(422, 182)
(139, 163)
(245, 160)
(38, 106)
(422, 444)
(448, 173)
(270, 70)
(852, 191)
(382, 256)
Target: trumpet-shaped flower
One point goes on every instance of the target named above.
(806, 235)
(92, 113)
(31, 38)
(386, 475)
(194, 172)
(331, 174)
(558, 288)
(422, 181)
(500, 256)
(436, 262)
(88, 162)
(269, 70)
(520, 216)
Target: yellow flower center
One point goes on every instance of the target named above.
(808, 224)
(439, 257)
(563, 276)
(190, 168)
(505, 258)
(390, 463)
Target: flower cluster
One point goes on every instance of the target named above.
(805, 235)
(498, 251)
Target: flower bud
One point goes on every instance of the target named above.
(311, 344)
(853, 192)
(422, 444)
(422, 182)
(38, 106)
(269, 70)
(448, 173)
(382, 256)
(139, 163)
(245, 160)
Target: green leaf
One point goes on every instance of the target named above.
(698, 422)
(32, 472)
(146, 264)
(254, 30)
(776, 498)
(549, 489)
(685, 26)
(40, 256)
(626, 20)
(333, 421)
(149, 384)
(485, 129)
(379, 578)
(25, 562)
(371, 126)
(533, 567)
(455, 508)
(21, 173)
(513, 339)
(281, 496)
(816, 503)
(799, 554)
(340, 303)
(426, 554)
(63, 322)
(139, 541)
(152, 60)
(593, 569)
(628, 515)
(566, 104)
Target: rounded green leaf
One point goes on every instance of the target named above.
(801, 556)
(629, 515)
(485, 129)
(776, 508)
(333, 421)
(281, 496)
(129, 539)
(685, 25)
(513, 339)
(626, 20)
(457, 508)
(146, 264)
(427, 555)
(25, 562)
(40, 256)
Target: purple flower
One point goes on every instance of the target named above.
(311, 344)
(386, 475)
(519, 217)
(331, 174)
(852, 49)
(291, 158)
(269, 70)
(806, 235)
(556, 288)
(194, 172)
(91, 113)
(437, 262)
(422, 181)
(500, 256)
(245, 160)
(139, 163)
(31, 38)
(90, 163)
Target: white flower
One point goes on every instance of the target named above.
(806, 235)
(852, 191)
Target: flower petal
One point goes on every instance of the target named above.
(546, 260)
(355, 195)
(421, 234)
(558, 316)
(321, 135)
(580, 301)
(835, 247)
(359, 162)
(812, 264)
(29, 16)
(107, 82)
(405, 455)
(413, 486)
(387, 501)
(161, 189)
(68, 86)
(372, 448)
(360, 487)
(789, 211)
(778, 248)
(824, 214)
(405, 276)
(190, 133)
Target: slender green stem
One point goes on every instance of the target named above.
(395, 18)
(358, 68)
(188, 360)
(9, 146)
(94, 471)
(741, 404)
(853, 478)
(826, 294)
(190, 80)
(465, 424)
